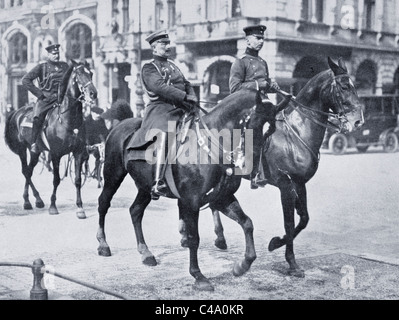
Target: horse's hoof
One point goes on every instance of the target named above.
(27, 206)
(184, 243)
(203, 285)
(40, 204)
(221, 244)
(81, 215)
(53, 211)
(104, 251)
(275, 243)
(239, 270)
(298, 273)
(149, 261)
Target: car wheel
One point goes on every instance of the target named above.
(362, 149)
(391, 142)
(338, 144)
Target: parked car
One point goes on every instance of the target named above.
(381, 127)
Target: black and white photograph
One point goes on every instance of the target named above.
(199, 155)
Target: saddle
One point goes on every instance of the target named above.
(25, 124)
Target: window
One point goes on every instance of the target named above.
(79, 42)
(18, 46)
(235, 8)
(158, 14)
(313, 10)
(1, 4)
(171, 13)
(319, 11)
(370, 14)
(125, 10)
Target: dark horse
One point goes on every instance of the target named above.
(193, 181)
(63, 131)
(292, 152)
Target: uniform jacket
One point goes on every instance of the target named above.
(49, 75)
(246, 70)
(167, 88)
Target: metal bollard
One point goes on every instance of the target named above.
(38, 292)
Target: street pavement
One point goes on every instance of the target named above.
(348, 251)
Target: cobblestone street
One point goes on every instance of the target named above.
(354, 224)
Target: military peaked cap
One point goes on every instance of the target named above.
(53, 48)
(258, 30)
(159, 35)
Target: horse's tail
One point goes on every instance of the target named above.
(9, 128)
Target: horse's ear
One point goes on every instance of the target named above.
(341, 63)
(335, 68)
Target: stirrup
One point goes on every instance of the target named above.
(158, 189)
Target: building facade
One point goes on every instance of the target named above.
(206, 36)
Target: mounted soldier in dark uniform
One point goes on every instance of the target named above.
(251, 72)
(170, 95)
(49, 75)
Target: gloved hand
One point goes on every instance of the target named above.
(191, 99)
(190, 102)
(263, 85)
(274, 87)
(51, 98)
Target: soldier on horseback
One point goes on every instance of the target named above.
(49, 75)
(251, 72)
(170, 95)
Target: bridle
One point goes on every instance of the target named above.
(340, 116)
(82, 88)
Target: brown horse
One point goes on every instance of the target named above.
(63, 131)
(193, 181)
(292, 152)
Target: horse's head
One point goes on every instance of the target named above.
(81, 78)
(343, 98)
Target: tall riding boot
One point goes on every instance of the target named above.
(36, 127)
(159, 188)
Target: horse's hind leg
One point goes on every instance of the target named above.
(231, 208)
(292, 197)
(136, 212)
(27, 171)
(113, 177)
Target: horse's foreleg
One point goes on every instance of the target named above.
(190, 217)
(290, 200)
(220, 241)
(56, 182)
(113, 177)
(136, 213)
(232, 209)
(79, 159)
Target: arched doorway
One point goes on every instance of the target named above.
(366, 78)
(216, 82)
(305, 69)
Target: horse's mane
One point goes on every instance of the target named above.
(242, 99)
(307, 92)
(64, 84)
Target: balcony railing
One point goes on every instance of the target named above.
(213, 30)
